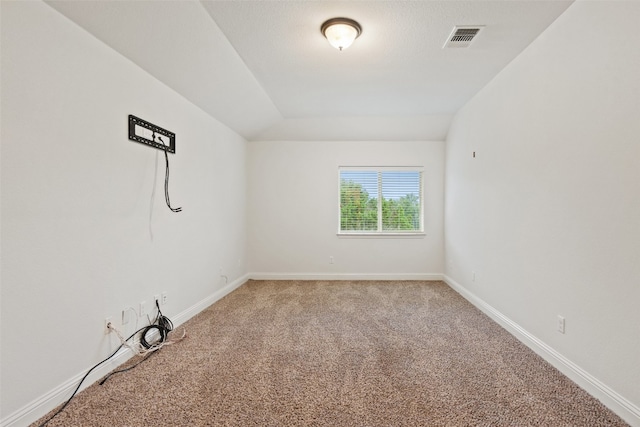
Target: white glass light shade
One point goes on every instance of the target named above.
(341, 32)
(341, 36)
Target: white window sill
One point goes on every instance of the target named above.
(362, 235)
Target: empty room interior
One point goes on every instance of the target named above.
(453, 163)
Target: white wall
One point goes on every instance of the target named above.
(293, 211)
(76, 201)
(548, 213)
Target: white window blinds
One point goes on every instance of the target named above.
(381, 200)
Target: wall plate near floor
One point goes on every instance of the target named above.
(561, 324)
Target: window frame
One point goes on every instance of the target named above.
(381, 233)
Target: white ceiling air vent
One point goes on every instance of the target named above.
(462, 36)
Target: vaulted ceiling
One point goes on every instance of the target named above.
(264, 69)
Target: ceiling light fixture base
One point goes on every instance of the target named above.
(341, 32)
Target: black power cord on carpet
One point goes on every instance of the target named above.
(161, 323)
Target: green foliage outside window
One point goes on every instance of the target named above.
(402, 214)
(359, 210)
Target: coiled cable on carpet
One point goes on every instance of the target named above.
(161, 323)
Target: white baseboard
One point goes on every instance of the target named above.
(45, 403)
(346, 276)
(41, 406)
(610, 398)
(201, 305)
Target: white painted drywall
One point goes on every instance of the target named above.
(180, 44)
(548, 212)
(76, 200)
(293, 210)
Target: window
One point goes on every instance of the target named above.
(381, 200)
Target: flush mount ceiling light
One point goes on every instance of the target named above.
(341, 32)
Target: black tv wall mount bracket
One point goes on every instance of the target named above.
(149, 134)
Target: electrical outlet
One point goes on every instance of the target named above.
(125, 316)
(107, 321)
(561, 324)
(143, 308)
(164, 299)
(156, 297)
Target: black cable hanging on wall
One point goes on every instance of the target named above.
(154, 136)
(166, 184)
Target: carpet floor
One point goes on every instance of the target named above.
(339, 353)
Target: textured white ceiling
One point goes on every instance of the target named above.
(264, 69)
(397, 66)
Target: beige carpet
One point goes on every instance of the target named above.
(290, 353)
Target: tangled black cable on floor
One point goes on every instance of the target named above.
(161, 323)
